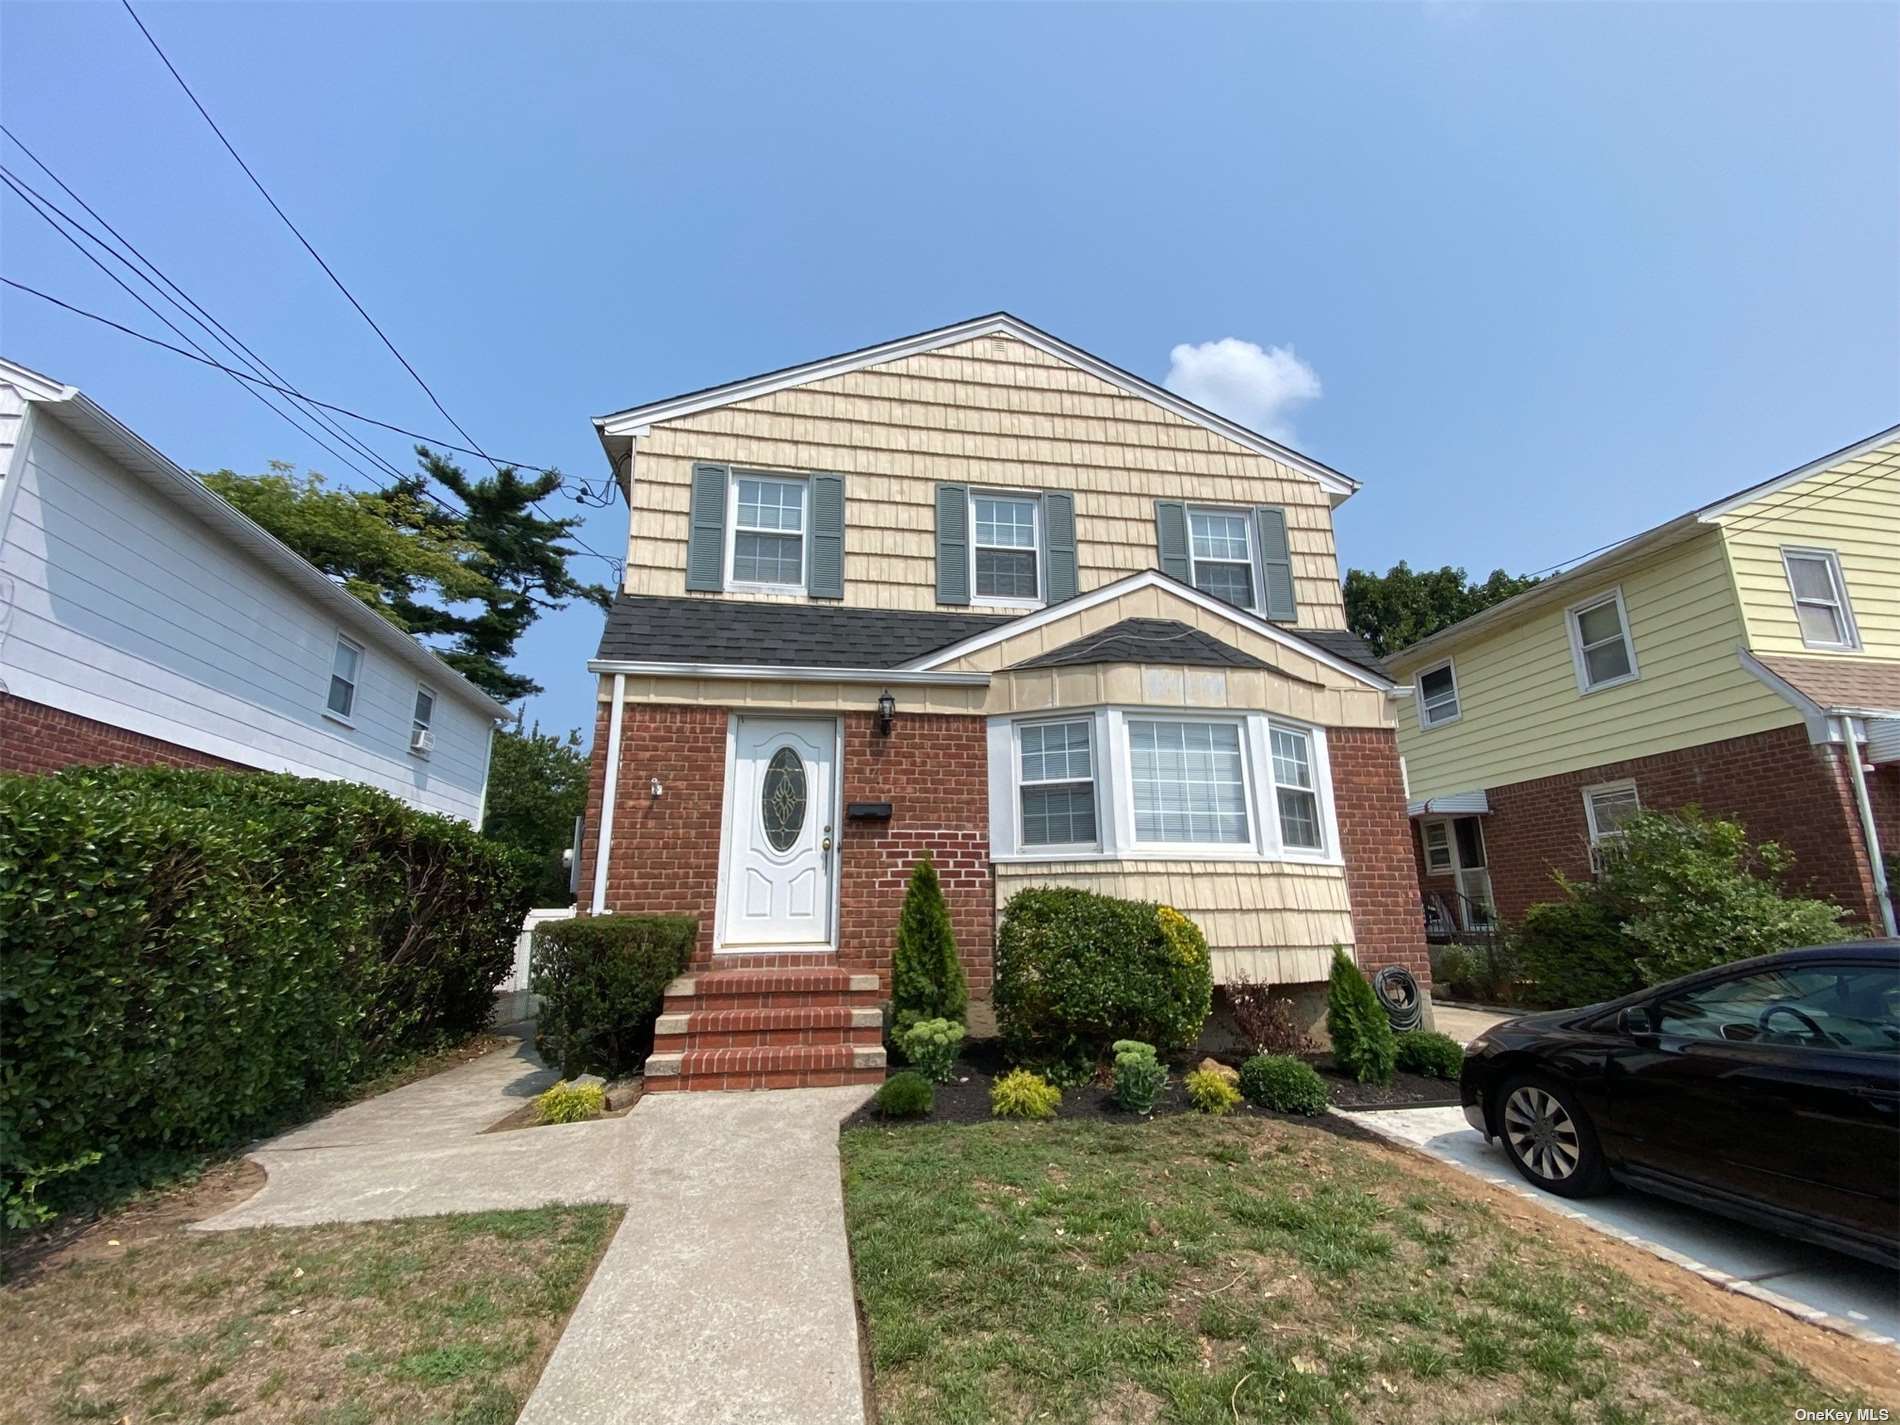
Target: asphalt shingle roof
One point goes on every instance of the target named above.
(1146, 640)
(651, 628)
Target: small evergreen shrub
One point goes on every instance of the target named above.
(905, 1095)
(1265, 1019)
(569, 1103)
(1574, 952)
(931, 1047)
(1283, 1083)
(1210, 1092)
(1076, 971)
(1139, 1076)
(1363, 1043)
(927, 979)
(1021, 1094)
(601, 979)
(1436, 1056)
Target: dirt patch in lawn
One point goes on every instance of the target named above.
(622, 1095)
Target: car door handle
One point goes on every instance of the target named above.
(1882, 1100)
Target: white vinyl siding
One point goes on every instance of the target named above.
(1820, 599)
(1600, 641)
(768, 532)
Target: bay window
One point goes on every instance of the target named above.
(1187, 782)
(1293, 788)
(1056, 783)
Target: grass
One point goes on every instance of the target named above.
(439, 1319)
(1209, 1272)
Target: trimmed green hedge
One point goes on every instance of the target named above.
(601, 979)
(1077, 971)
(189, 956)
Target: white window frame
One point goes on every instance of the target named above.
(1831, 560)
(1425, 829)
(1032, 498)
(1418, 695)
(1114, 791)
(1018, 785)
(1254, 580)
(733, 531)
(1572, 617)
(421, 724)
(348, 716)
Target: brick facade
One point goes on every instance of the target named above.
(1776, 784)
(1376, 840)
(36, 738)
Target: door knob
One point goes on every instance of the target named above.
(827, 838)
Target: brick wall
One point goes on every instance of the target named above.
(1382, 874)
(36, 738)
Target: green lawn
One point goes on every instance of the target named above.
(441, 1319)
(1203, 1271)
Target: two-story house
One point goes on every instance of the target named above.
(1744, 657)
(981, 594)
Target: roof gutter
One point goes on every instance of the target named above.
(790, 674)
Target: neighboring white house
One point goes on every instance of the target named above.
(143, 619)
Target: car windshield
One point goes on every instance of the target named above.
(1855, 1007)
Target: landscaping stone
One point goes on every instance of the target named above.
(1215, 1066)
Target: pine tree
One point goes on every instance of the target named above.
(926, 976)
(1363, 1043)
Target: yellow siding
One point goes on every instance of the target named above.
(1852, 508)
(1523, 716)
(989, 411)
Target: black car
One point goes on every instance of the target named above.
(1768, 1089)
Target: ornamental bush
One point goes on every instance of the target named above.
(926, 977)
(1574, 952)
(905, 1095)
(1210, 1092)
(1076, 971)
(189, 957)
(569, 1103)
(1283, 1083)
(601, 979)
(1139, 1076)
(1022, 1094)
(931, 1046)
(1427, 1052)
(1363, 1044)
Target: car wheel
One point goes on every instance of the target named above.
(1550, 1138)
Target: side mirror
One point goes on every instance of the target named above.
(1638, 1021)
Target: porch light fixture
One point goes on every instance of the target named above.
(657, 789)
(886, 713)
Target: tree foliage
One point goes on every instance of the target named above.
(927, 979)
(537, 785)
(1403, 605)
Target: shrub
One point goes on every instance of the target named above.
(1355, 1020)
(1574, 951)
(931, 1046)
(1076, 971)
(569, 1103)
(1139, 1076)
(601, 979)
(1210, 1092)
(1265, 1019)
(1486, 971)
(1283, 1083)
(191, 956)
(926, 976)
(905, 1095)
(1436, 1056)
(1021, 1094)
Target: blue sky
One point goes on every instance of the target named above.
(1538, 275)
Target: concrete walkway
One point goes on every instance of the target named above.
(1464, 1025)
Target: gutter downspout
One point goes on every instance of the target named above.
(610, 788)
(1883, 893)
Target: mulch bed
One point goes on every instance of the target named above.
(967, 1098)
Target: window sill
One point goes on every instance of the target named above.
(739, 586)
(1424, 726)
(1109, 858)
(1020, 605)
(339, 719)
(1626, 679)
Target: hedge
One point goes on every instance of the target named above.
(601, 980)
(190, 956)
(1076, 971)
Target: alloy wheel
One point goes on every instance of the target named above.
(1542, 1133)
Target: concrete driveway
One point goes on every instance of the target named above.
(1838, 1291)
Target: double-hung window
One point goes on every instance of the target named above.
(768, 532)
(345, 667)
(1188, 782)
(1006, 547)
(1820, 598)
(1438, 860)
(1600, 642)
(1294, 789)
(1220, 549)
(421, 738)
(1056, 783)
(1437, 695)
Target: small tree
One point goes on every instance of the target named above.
(926, 976)
(1363, 1042)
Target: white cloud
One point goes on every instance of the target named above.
(1240, 380)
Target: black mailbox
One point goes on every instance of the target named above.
(868, 811)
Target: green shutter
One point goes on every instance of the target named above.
(825, 575)
(706, 530)
(1058, 524)
(953, 544)
(1171, 539)
(1276, 566)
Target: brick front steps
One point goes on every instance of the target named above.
(803, 1026)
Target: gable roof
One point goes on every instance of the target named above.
(617, 430)
(647, 628)
(1146, 640)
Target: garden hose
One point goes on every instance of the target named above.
(1398, 992)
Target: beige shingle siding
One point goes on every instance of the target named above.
(990, 411)
(1852, 508)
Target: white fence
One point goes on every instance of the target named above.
(512, 1000)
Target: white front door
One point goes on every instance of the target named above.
(777, 881)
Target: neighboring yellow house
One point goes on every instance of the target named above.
(1744, 657)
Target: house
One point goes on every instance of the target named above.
(1744, 657)
(978, 594)
(143, 620)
